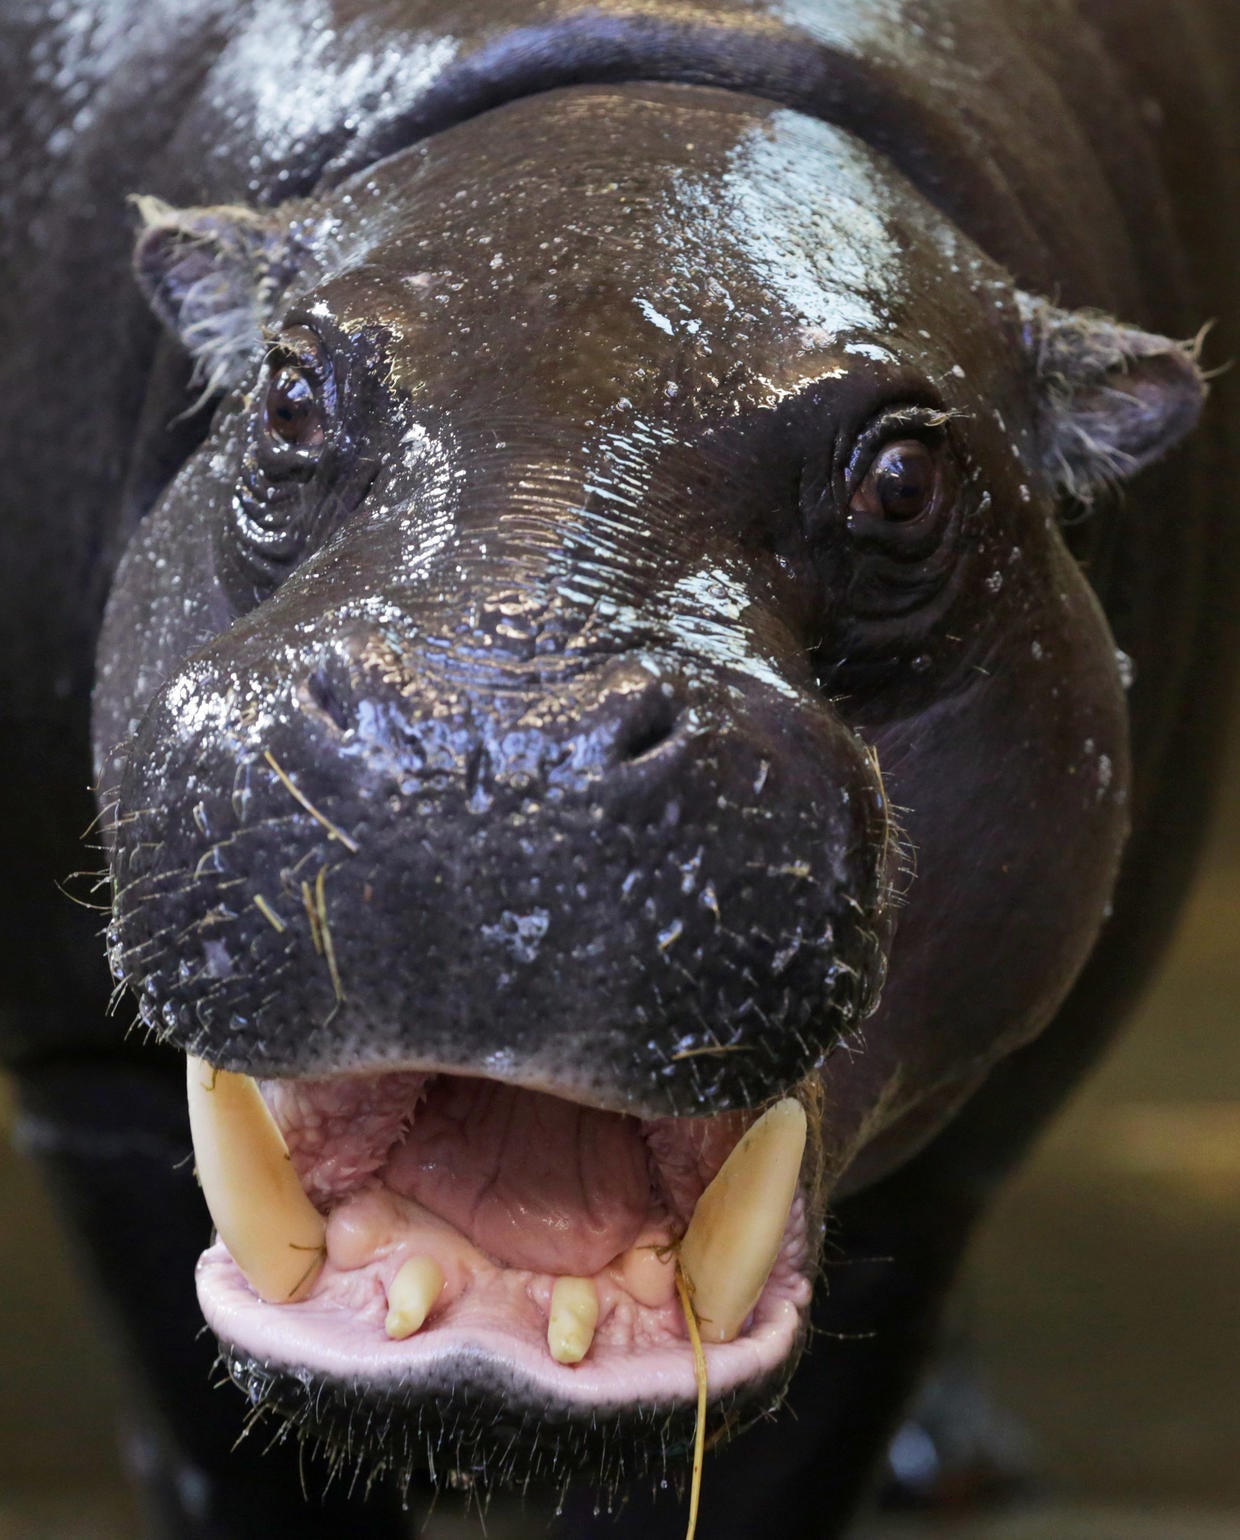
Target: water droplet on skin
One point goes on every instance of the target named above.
(1106, 772)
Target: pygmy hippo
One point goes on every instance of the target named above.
(639, 746)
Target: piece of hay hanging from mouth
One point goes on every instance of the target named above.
(699, 1374)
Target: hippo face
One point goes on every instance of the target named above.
(618, 619)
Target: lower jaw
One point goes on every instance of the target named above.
(492, 1340)
(465, 1403)
(465, 1422)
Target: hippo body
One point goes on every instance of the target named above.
(657, 546)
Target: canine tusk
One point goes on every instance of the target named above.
(273, 1232)
(733, 1239)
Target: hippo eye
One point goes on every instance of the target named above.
(299, 399)
(292, 411)
(295, 446)
(900, 485)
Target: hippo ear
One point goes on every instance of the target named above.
(1112, 398)
(214, 277)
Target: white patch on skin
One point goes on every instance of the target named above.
(218, 962)
(653, 316)
(522, 934)
(196, 708)
(429, 526)
(850, 26)
(318, 89)
(708, 607)
(793, 242)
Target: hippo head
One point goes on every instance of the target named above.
(618, 619)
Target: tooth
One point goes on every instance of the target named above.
(574, 1315)
(411, 1295)
(273, 1232)
(648, 1272)
(732, 1241)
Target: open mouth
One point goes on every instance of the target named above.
(403, 1233)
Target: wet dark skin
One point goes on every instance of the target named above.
(632, 516)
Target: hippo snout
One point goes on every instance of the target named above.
(365, 850)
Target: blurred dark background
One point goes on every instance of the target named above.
(1103, 1295)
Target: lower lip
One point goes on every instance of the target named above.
(495, 1333)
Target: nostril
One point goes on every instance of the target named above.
(319, 692)
(650, 721)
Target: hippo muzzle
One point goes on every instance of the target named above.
(486, 838)
(604, 490)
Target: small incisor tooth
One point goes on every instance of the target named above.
(273, 1232)
(411, 1296)
(733, 1239)
(574, 1315)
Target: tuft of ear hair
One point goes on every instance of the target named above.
(215, 276)
(1111, 398)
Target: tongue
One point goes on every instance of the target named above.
(535, 1181)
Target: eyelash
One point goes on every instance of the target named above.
(926, 423)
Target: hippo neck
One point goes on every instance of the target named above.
(1001, 118)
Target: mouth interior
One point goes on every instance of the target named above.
(507, 1191)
